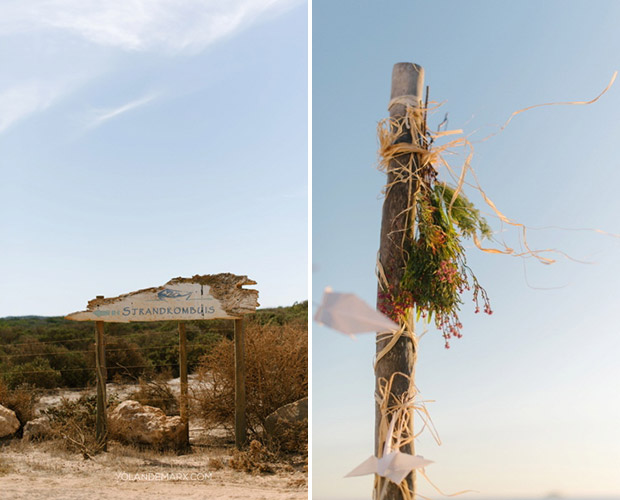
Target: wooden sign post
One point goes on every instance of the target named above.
(184, 403)
(101, 427)
(240, 420)
(211, 296)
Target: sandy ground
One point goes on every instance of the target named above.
(41, 471)
(32, 471)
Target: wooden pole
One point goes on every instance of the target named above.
(407, 80)
(240, 420)
(183, 403)
(101, 424)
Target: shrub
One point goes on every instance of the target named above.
(124, 359)
(276, 374)
(215, 463)
(73, 423)
(81, 412)
(298, 312)
(21, 400)
(156, 393)
(74, 368)
(37, 372)
(257, 459)
(292, 437)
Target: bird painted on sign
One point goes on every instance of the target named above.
(169, 293)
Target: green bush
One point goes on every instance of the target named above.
(75, 368)
(37, 372)
(124, 359)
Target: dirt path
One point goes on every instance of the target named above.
(38, 472)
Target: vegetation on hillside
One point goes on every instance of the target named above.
(50, 352)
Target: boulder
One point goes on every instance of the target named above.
(132, 422)
(288, 422)
(8, 422)
(39, 428)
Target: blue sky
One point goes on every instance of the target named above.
(145, 140)
(526, 402)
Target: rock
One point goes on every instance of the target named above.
(8, 422)
(288, 422)
(39, 428)
(132, 422)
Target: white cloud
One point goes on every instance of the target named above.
(140, 25)
(21, 100)
(32, 84)
(105, 115)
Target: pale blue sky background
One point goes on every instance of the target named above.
(527, 402)
(145, 140)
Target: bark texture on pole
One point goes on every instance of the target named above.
(101, 424)
(407, 80)
(184, 407)
(240, 419)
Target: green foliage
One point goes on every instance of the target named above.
(50, 352)
(437, 274)
(37, 372)
(298, 312)
(124, 359)
(462, 213)
(76, 369)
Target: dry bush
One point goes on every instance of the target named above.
(215, 463)
(157, 393)
(257, 459)
(292, 437)
(5, 467)
(21, 400)
(73, 423)
(276, 360)
(298, 483)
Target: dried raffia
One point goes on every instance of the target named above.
(419, 172)
(416, 164)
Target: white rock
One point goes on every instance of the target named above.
(135, 423)
(289, 417)
(37, 428)
(8, 422)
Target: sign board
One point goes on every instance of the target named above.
(210, 296)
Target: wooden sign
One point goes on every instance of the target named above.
(210, 296)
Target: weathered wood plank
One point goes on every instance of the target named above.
(200, 297)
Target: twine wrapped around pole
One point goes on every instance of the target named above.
(398, 354)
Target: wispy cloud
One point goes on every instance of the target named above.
(21, 100)
(108, 114)
(29, 85)
(139, 25)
